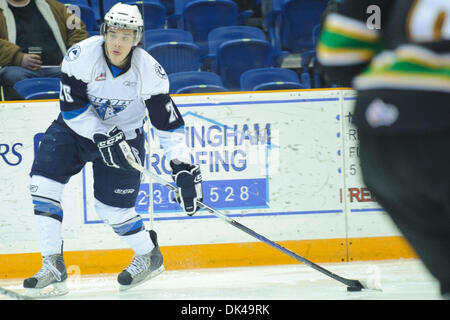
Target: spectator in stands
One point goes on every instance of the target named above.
(24, 24)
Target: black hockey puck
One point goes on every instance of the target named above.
(353, 289)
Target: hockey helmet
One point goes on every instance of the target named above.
(124, 16)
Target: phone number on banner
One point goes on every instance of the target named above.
(219, 194)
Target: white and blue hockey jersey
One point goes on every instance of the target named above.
(97, 96)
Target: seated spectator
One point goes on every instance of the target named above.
(43, 26)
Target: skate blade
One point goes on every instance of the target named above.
(150, 276)
(54, 290)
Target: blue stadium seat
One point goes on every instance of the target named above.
(195, 82)
(108, 4)
(299, 19)
(176, 56)
(219, 35)
(93, 4)
(170, 6)
(153, 13)
(222, 34)
(85, 13)
(270, 79)
(234, 57)
(154, 36)
(202, 16)
(38, 88)
(75, 2)
(96, 6)
(308, 58)
(175, 19)
(273, 21)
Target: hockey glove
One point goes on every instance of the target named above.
(189, 182)
(114, 149)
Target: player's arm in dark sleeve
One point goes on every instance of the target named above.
(76, 108)
(168, 124)
(348, 41)
(73, 99)
(163, 112)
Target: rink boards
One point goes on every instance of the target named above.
(284, 164)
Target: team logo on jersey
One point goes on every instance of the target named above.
(101, 77)
(380, 113)
(108, 108)
(130, 83)
(160, 71)
(73, 53)
(123, 191)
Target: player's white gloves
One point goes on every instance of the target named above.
(114, 149)
(189, 182)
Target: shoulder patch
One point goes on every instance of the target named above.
(160, 71)
(73, 53)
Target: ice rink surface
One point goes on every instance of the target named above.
(399, 280)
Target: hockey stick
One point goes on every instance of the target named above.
(150, 184)
(353, 285)
(14, 295)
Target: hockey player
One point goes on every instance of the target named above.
(107, 84)
(397, 53)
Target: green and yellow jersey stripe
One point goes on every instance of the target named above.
(346, 41)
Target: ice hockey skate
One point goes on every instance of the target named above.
(50, 281)
(143, 267)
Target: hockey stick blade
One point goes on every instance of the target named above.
(14, 295)
(356, 285)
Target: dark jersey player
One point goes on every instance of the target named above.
(396, 54)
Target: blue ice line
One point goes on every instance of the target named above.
(249, 215)
(220, 104)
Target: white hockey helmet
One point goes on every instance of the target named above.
(124, 16)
